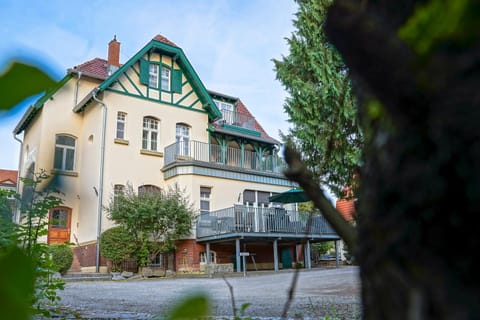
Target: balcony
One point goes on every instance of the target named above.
(237, 119)
(215, 154)
(261, 222)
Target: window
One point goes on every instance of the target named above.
(160, 77)
(121, 119)
(249, 197)
(213, 257)
(153, 71)
(118, 191)
(64, 158)
(148, 188)
(150, 134)
(182, 138)
(165, 79)
(227, 111)
(59, 219)
(205, 193)
(153, 75)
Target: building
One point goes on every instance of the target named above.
(150, 122)
(8, 181)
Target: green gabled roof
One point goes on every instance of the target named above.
(182, 61)
(29, 115)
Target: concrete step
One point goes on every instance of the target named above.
(86, 276)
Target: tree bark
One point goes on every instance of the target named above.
(420, 192)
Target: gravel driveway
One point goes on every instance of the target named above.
(320, 292)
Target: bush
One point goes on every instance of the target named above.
(117, 245)
(62, 257)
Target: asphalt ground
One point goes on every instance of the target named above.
(331, 293)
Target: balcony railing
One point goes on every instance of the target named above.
(212, 153)
(237, 119)
(243, 219)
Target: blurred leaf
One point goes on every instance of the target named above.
(21, 81)
(16, 284)
(193, 307)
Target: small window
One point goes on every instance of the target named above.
(64, 158)
(249, 197)
(165, 79)
(153, 75)
(150, 134)
(205, 193)
(121, 121)
(227, 111)
(213, 257)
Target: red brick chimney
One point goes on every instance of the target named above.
(114, 52)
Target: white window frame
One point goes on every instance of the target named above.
(227, 111)
(153, 75)
(165, 79)
(150, 134)
(182, 138)
(64, 148)
(205, 197)
(121, 120)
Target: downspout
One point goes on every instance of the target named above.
(75, 97)
(100, 185)
(17, 215)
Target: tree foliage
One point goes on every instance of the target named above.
(155, 219)
(320, 105)
(415, 64)
(117, 244)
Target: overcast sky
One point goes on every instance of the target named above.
(230, 43)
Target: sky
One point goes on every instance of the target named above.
(230, 44)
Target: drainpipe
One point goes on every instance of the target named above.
(17, 215)
(75, 97)
(100, 185)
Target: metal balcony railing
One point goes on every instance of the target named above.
(212, 153)
(243, 219)
(237, 119)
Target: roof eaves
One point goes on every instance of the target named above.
(86, 73)
(239, 134)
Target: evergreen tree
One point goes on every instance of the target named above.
(321, 106)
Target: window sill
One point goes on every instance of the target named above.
(151, 153)
(121, 141)
(64, 173)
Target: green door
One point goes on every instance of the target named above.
(286, 257)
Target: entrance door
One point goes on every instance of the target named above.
(286, 258)
(59, 225)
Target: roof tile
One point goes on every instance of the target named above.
(6, 175)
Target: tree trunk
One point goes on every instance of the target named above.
(420, 192)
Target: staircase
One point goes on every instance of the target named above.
(86, 276)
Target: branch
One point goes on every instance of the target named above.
(299, 173)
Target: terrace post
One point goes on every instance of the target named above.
(275, 255)
(308, 261)
(237, 254)
(207, 252)
(336, 254)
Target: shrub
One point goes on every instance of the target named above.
(62, 257)
(117, 245)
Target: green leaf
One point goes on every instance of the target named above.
(21, 81)
(16, 284)
(193, 307)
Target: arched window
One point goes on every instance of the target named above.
(182, 138)
(148, 188)
(64, 158)
(150, 134)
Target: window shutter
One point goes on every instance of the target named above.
(144, 71)
(177, 81)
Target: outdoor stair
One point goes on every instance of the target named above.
(86, 276)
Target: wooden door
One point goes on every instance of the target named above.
(59, 225)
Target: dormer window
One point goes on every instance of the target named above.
(160, 77)
(227, 111)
